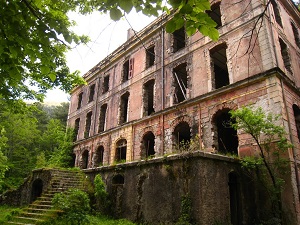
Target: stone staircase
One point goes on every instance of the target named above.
(41, 209)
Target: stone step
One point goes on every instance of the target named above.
(27, 220)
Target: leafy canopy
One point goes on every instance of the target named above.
(36, 34)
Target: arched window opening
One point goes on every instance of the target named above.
(297, 119)
(37, 189)
(98, 160)
(148, 145)
(182, 135)
(220, 75)
(121, 150)
(235, 199)
(148, 100)
(225, 137)
(118, 179)
(85, 159)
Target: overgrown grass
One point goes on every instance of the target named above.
(7, 212)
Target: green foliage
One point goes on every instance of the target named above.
(187, 145)
(62, 155)
(102, 200)
(31, 137)
(6, 212)
(33, 46)
(186, 208)
(75, 205)
(272, 143)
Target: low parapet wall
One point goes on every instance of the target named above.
(152, 191)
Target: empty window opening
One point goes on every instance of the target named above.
(276, 13)
(180, 83)
(235, 199)
(118, 180)
(105, 84)
(285, 56)
(148, 98)
(76, 129)
(182, 135)
(98, 160)
(179, 39)
(150, 57)
(225, 137)
(88, 122)
(79, 100)
(37, 189)
(148, 145)
(296, 34)
(92, 93)
(215, 14)
(124, 108)
(297, 119)
(220, 76)
(102, 118)
(85, 159)
(127, 70)
(121, 150)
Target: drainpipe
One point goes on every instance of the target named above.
(286, 111)
(163, 85)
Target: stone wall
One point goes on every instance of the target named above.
(151, 191)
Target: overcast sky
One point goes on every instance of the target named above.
(105, 34)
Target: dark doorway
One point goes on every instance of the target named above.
(37, 189)
(85, 159)
(235, 199)
(121, 150)
(226, 140)
(148, 145)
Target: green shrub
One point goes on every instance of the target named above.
(102, 200)
(75, 205)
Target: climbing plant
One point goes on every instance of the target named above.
(272, 143)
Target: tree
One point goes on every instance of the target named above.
(36, 34)
(271, 140)
(3, 159)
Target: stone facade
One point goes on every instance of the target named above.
(160, 89)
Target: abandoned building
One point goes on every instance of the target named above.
(159, 91)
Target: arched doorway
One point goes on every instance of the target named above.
(225, 137)
(118, 179)
(85, 159)
(37, 189)
(148, 143)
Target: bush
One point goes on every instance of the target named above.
(102, 201)
(75, 205)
